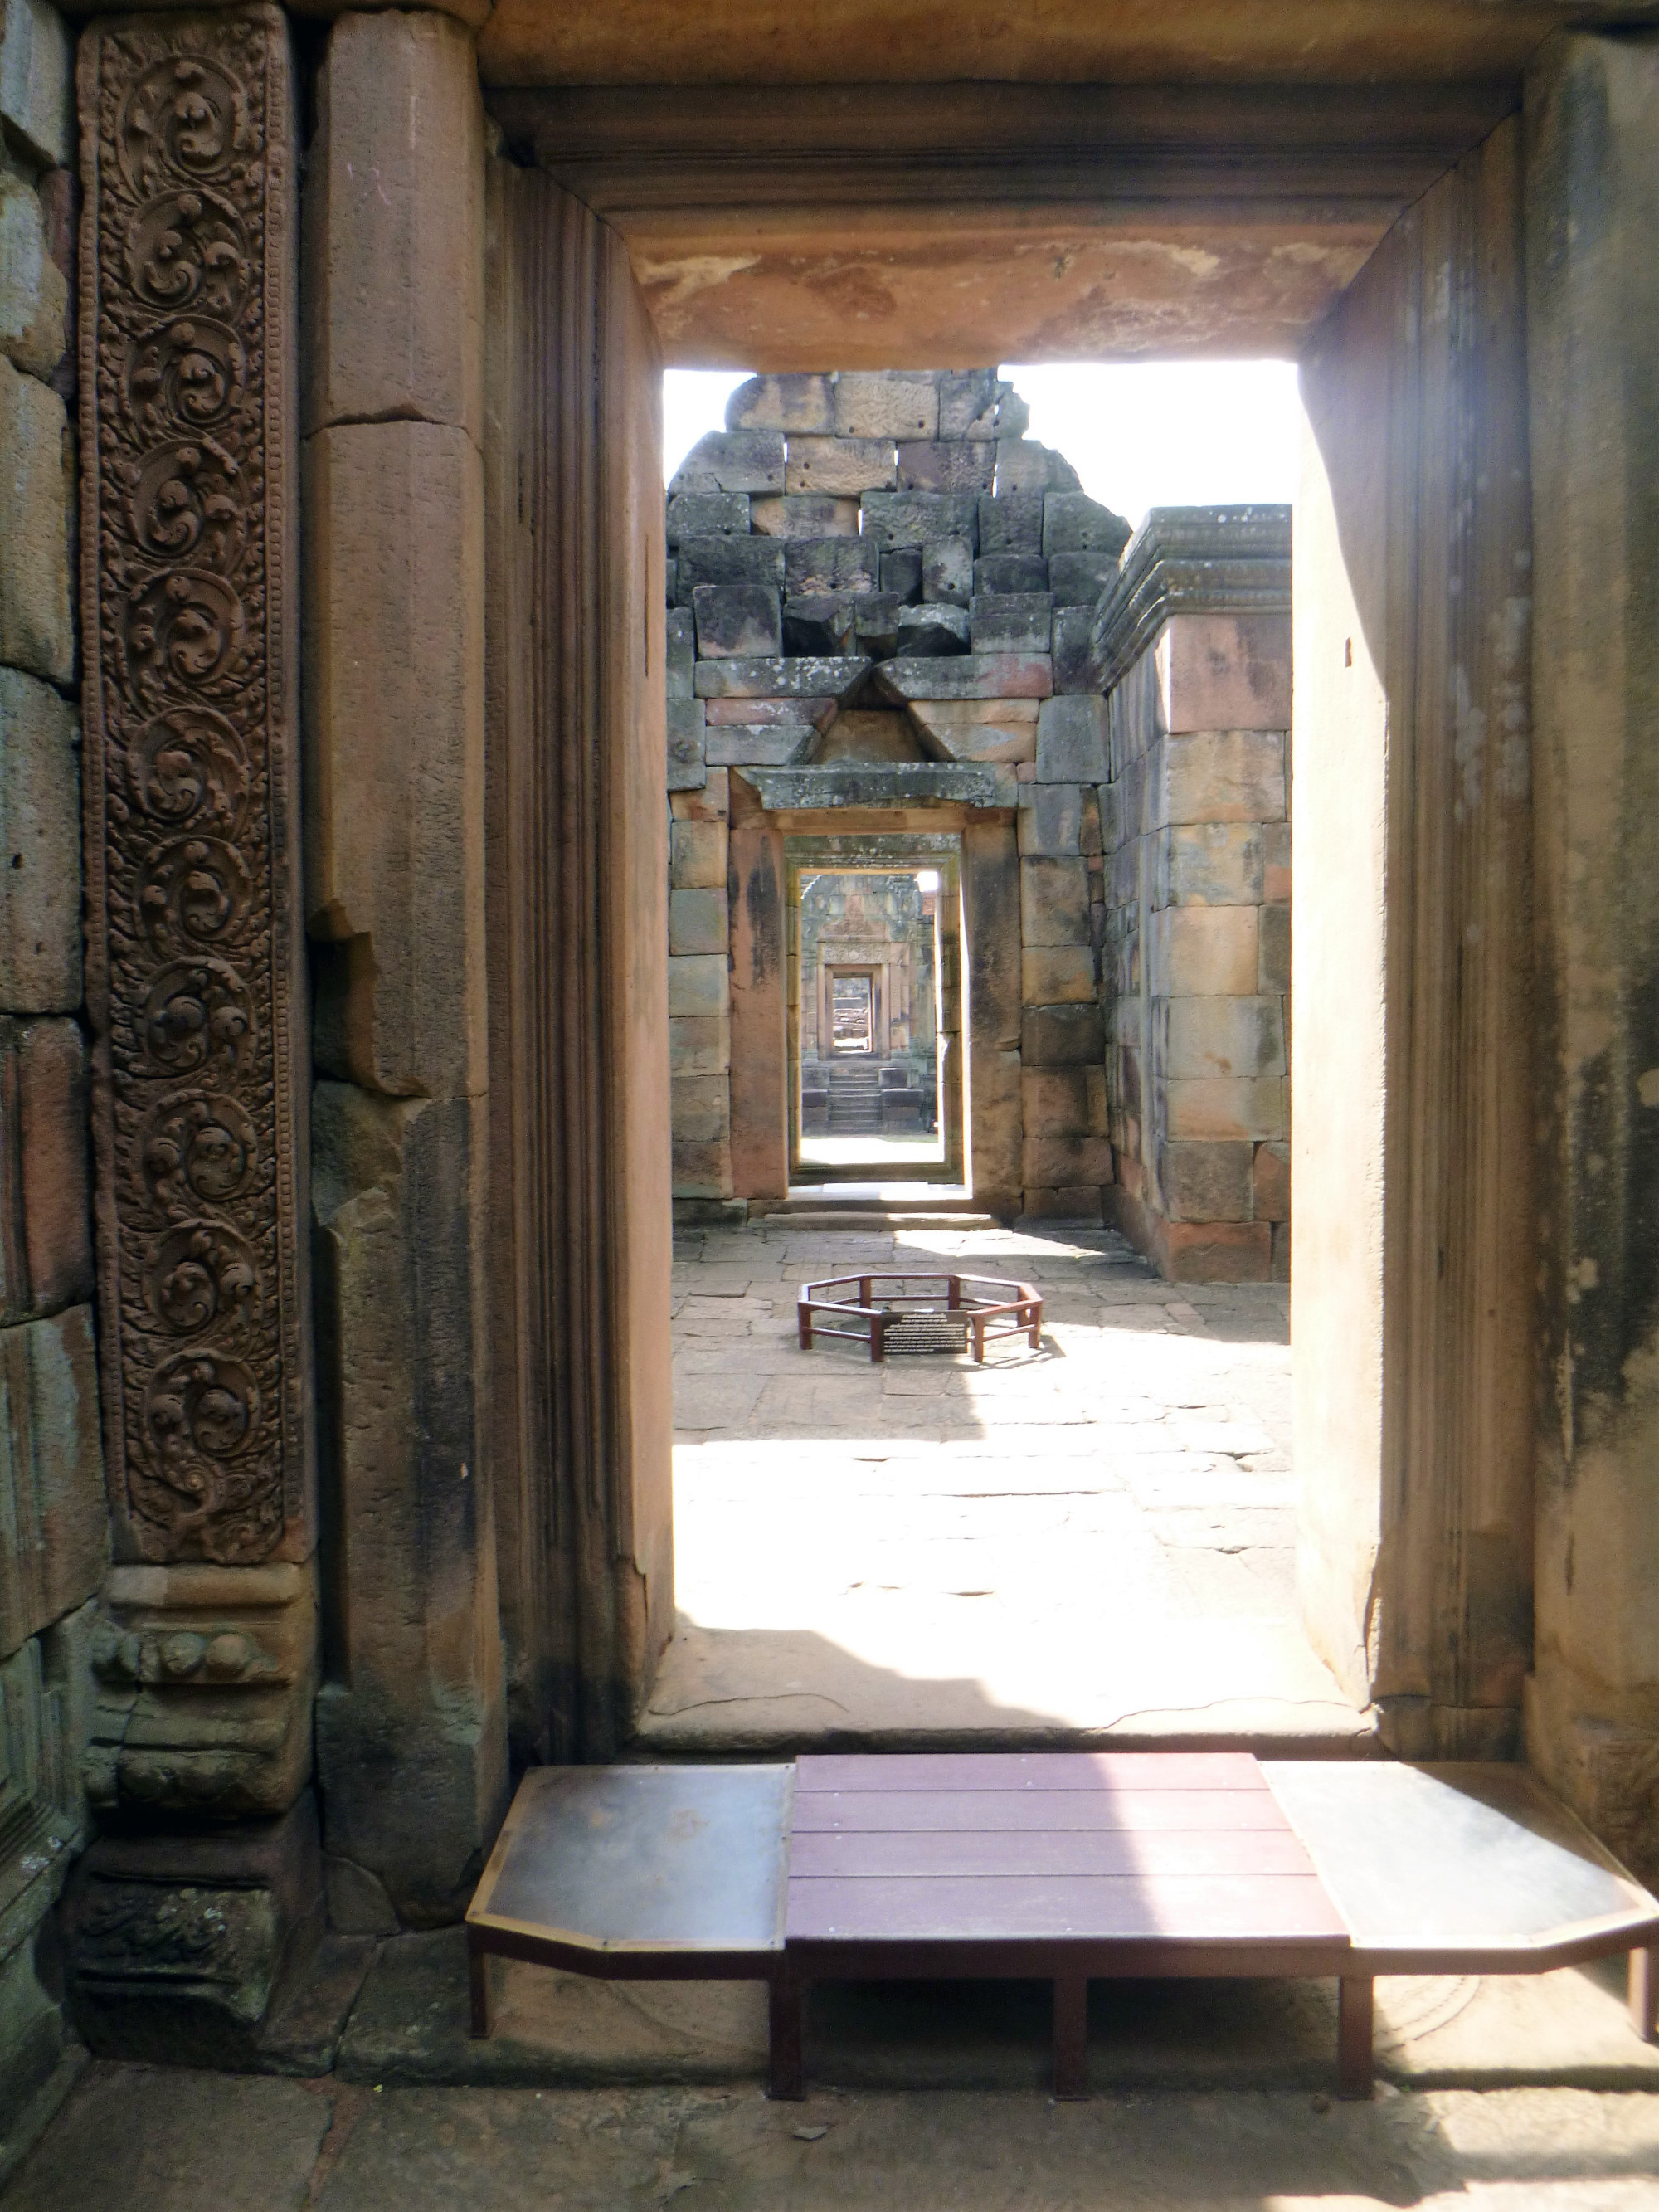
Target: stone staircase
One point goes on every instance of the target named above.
(854, 1098)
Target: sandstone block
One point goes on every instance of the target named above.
(1217, 1251)
(687, 761)
(1062, 1036)
(918, 517)
(1010, 622)
(1055, 1102)
(1227, 1106)
(45, 1223)
(901, 572)
(1074, 523)
(1275, 862)
(697, 920)
(37, 95)
(699, 1044)
(967, 404)
(1072, 740)
(1224, 672)
(1050, 823)
(36, 628)
(392, 227)
(1218, 775)
(1072, 648)
(1066, 1160)
(1271, 1183)
(1077, 579)
(972, 676)
(808, 676)
(936, 465)
(34, 294)
(699, 984)
(54, 1516)
(805, 514)
(394, 760)
(1092, 830)
(1023, 465)
(1203, 952)
(757, 713)
(1209, 863)
(40, 834)
(1094, 1080)
(416, 1688)
(947, 570)
(737, 621)
(1056, 975)
(681, 641)
(700, 1168)
(782, 403)
(1009, 574)
(830, 564)
(697, 856)
(764, 745)
(1012, 522)
(840, 465)
(869, 734)
(1080, 1203)
(1207, 1182)
(734, 560)
(931, 631)
(701, 1109)
(707, 514)
(986, 729)
(709, 802)
(875, 620)
(732, 461)
(1274, 949)
(1054, 902)
(821, 623)
(885, 403)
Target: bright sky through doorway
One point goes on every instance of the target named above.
(1141, 435)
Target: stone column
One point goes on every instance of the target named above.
(411, 1743)
(1411, 1139)
(206, 1651)
(1593, 342)
(760, 1055)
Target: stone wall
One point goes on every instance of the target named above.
(1194, 643)
(54, 1528)
(870, 572)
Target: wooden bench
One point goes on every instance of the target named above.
(1064, 1866)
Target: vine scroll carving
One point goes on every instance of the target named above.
(195, 989)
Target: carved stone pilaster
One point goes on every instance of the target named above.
(194, 983)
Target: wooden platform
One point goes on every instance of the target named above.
(1063, 1866)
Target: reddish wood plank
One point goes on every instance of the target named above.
(1046, 1769)
(1099, 1909)
(985, 1812)
(867, 1855)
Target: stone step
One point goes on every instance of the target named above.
(877, 1221)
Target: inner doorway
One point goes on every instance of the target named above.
(876, 1057)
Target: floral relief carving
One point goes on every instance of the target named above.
(189, 764)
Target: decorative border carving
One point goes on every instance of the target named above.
(194, 989)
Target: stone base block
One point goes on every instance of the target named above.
(1212, 1251)
(710, 1213)
(1079, 1202)
(179, 1947)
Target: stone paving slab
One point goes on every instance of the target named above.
(183, 2142)
(880, 1548)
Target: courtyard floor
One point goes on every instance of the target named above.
(1092, 1541)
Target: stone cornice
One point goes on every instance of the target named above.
(1191, 561)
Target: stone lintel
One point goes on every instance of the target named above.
(1191, 561)
(797, 790)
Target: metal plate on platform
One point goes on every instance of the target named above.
(1458, 1867)
(665, 1860)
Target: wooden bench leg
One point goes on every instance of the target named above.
(1071, 2035)
(477, 1974)
(1356, 2074)
(788, 2067)
(1644, 1991)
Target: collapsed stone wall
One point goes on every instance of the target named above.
(54, 1527)
(882, 569)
